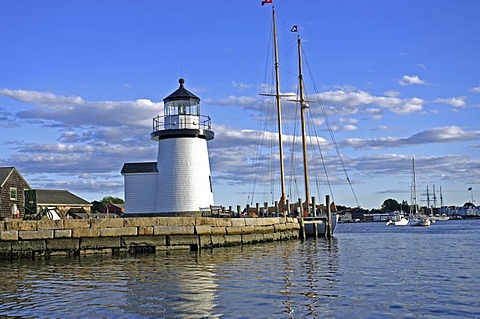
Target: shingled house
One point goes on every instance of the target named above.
(12, 188)
(62, 202)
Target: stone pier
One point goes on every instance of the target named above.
(74, 237)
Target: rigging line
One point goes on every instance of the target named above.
(312, 139)
(293, 158)
(260, 137)
(270, 184)
(327, 177)
(315, 134)
(332, 136)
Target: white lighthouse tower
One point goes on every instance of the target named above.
(183, 180)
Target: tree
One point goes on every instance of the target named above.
(405, 207)
(390, 205)
(107, 200)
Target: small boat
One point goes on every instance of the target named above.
(421, 221)
(399, 221)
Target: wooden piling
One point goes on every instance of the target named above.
(328, 226)
(302, 224)
(314, 214)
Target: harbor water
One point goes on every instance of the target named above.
(368, 270)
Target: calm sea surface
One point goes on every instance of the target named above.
(368, 270)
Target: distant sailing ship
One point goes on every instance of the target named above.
(416, 219)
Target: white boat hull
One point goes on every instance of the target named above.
(398, 222)
(420, 222)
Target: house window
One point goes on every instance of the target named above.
(13, 193)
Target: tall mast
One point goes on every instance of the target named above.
(441, 197)
(283, 199)
(303, 106)
(414, 194)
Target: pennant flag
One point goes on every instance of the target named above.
(469, 189)
(266, 1)
(294, 29)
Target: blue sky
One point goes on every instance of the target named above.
(80, 82)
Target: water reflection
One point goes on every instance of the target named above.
(289, 279)
(361, 273)
(177, 284)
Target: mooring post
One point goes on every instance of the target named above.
(239, 211)
(314, 214)
(314, 207)
(265, 209)
(257, 209)
(302, 224)
(277, 213)
(248, 211)
(328, 228)
(288, 208)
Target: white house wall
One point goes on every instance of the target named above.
(140, 191)
(183, 183)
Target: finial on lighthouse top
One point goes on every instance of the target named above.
(181, 94)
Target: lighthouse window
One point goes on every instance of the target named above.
(181, 109)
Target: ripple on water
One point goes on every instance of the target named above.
(366, 271)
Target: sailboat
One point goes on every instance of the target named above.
(314, 224)
(415, 218)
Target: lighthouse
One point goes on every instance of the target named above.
(179, 182)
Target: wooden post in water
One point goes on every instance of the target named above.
(265, 209)
(302, 224)
(248, 211)
(257, 209)
(328, 226)
(314, 214)
(239, 211)
(288, 208)
(277, 213)
(314, 207)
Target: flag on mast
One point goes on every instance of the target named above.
(469, 189)
(266, 1)
(294, 29)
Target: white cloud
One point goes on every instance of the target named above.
(381, 128)
(348, 120)
(233, 100)
(411, 80)
(354, 101)
(454, 101)
(350, 127)
(74, 111)
(240, 85)
(475, 89)
(392, 93)
(421, 66)
(447, 134)
(45, 98)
